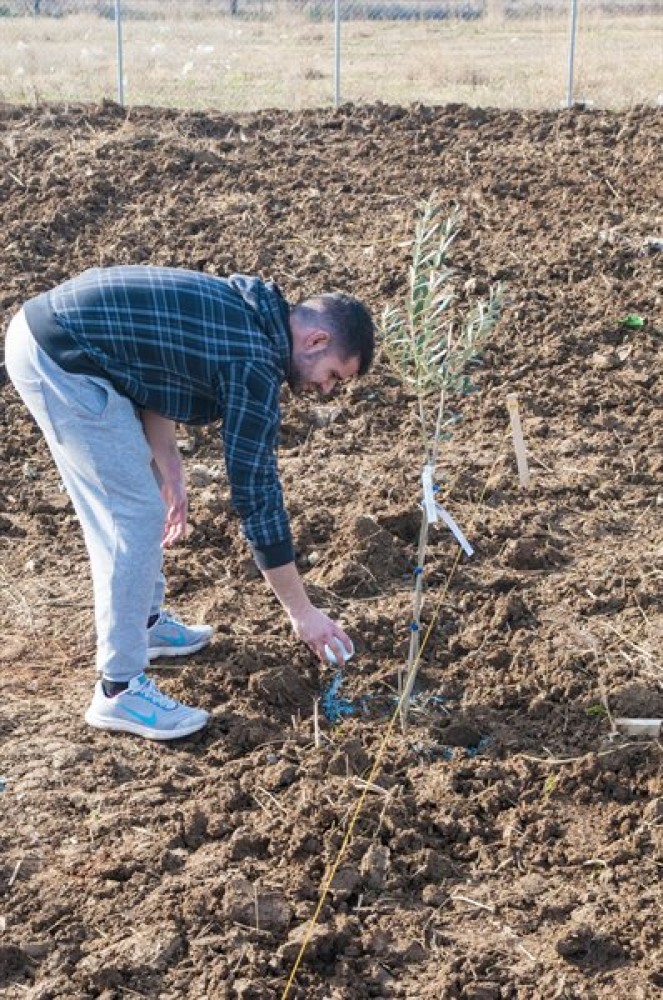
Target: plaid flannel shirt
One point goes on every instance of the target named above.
(194, 348)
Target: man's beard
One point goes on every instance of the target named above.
(294, 380)
(298, 375)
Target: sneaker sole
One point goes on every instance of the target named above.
(157, 651)
(125, 726)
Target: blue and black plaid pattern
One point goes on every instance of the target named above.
(194, 348)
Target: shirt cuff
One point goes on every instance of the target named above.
(273, 556)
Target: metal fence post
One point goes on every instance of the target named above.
(120, 53)
(572, 53)
(337, 53)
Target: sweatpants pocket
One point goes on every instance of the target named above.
(89, 395)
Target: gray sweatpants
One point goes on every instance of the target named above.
(104, 460)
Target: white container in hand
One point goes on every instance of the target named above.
(331, 655)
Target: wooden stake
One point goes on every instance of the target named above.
(518, 440)
(14, 874)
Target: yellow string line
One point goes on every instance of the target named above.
(378, 757)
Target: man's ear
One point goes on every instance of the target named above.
(316, 339)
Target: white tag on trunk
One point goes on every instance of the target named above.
(455, 530)
(429, 494)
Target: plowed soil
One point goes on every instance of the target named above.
(505, 845)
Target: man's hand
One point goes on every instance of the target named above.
(317, 630)
(160, 434)
(174, 495)
(310, 624)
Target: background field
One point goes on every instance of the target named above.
(282, 55)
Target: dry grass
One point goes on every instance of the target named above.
(288, 61)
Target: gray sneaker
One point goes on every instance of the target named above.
(171, 637)
(145, 710)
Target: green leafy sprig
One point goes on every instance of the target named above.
(426, 342)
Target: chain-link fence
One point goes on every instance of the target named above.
(250, 54)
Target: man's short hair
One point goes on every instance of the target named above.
(348, 321)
